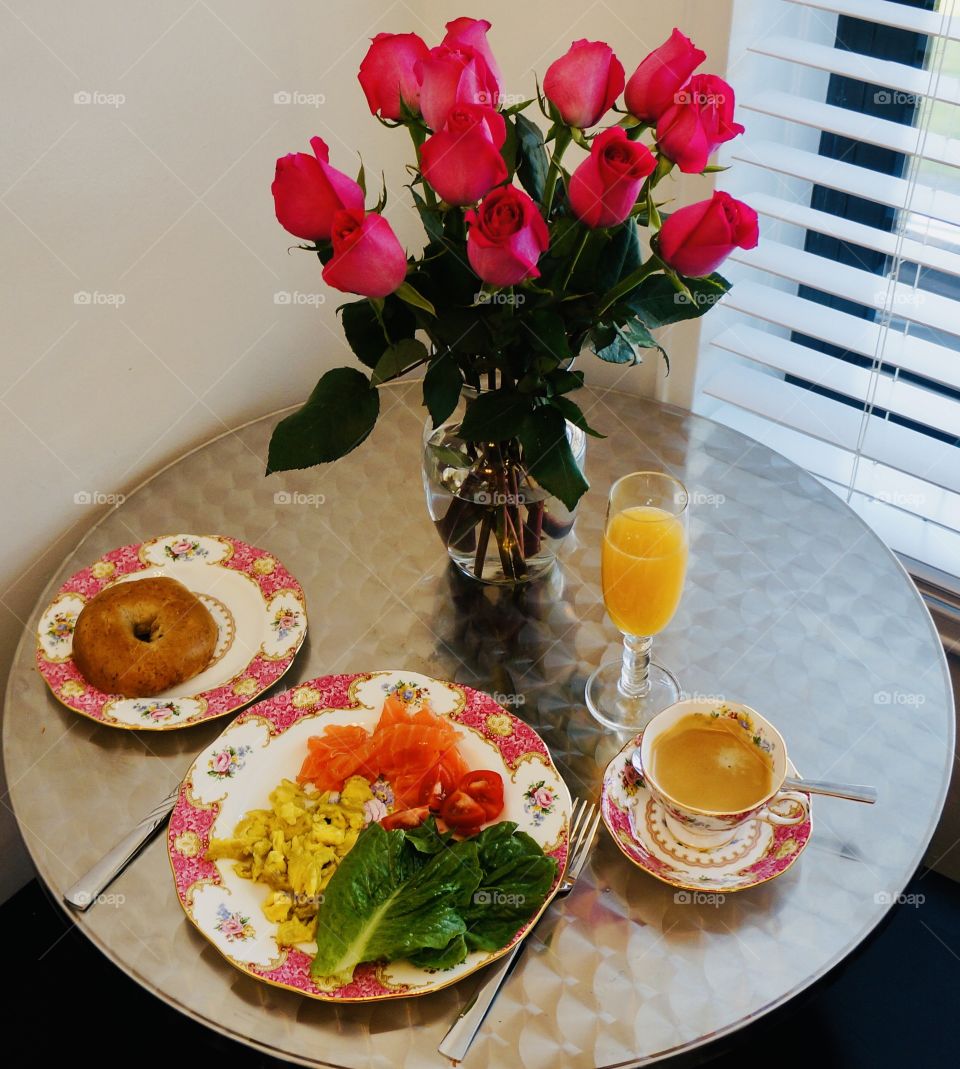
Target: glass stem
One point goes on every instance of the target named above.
(635, 672)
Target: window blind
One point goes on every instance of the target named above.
(839, 344)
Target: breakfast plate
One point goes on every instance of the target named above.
(267, 743)
(258, 606)
(762, 849)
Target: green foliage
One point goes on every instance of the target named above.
(338, 415)
(533, 164)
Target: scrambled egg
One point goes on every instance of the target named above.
(295, 847)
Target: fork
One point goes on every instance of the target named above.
(585, 817)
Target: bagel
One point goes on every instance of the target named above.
(143, 637)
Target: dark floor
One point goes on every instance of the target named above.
(895, 1003)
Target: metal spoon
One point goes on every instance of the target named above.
(853, 792)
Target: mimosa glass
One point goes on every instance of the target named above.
(643, 566)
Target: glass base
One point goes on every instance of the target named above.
(623, 713)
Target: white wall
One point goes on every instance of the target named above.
(156, 192)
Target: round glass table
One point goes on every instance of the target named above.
(791, 605)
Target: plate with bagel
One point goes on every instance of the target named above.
(162, 634)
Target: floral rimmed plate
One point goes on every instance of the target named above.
(762, 849)
(258, 606)
(268, 743)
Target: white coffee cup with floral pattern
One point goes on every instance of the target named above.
(704, 828)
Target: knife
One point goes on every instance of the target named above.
(82, 895)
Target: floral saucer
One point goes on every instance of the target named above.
(267, 743)
(762, 849)
(258, 606)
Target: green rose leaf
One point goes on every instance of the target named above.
(571, 410)
(441, 387)
(398, 359)
(610, 345)
(533, 164)
(366, 334)
(620, 257)
(548, 455)
(563, 381)
(407, 293)
(658, 303)
(495, 416)
(430, 217)
(546, 332)
(337, 417)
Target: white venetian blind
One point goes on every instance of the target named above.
(839, 344)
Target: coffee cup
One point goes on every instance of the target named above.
(708, 828)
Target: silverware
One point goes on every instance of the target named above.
(854, 792)
(585, 818)
(82, 895)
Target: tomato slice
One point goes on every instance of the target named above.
(486, 789)
(406, 818)
(461, 811)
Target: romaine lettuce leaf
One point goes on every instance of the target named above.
(387, 900)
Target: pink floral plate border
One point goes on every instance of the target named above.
(282, 624)
(761, 851)
(211, 894)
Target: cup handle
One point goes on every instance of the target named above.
(797, 808)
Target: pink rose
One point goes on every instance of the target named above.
(543, 796)
(604, 188)
(655, 83)
(387, 73)
(367, 258)
(454, 75)
(695, 240)
(506, 238)
(584, 83)
(221, 761)
(700, 120)
(183, 546)
(462, 162)
(231, 926)
(308, 192)
(473, 33)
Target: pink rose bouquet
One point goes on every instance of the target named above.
(530, 259)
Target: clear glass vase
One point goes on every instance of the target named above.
(497, 523)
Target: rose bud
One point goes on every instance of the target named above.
(583, 84)
(506, 237)
(462, 162)
(308, 192)
(473, 33)
(451, 76)
(604, 188)
(702, 119)
(655, 83)
(387, 74)
(367, 258)
(695, 240)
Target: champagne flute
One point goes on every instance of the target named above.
(643, 566)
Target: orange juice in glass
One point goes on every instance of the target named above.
(643, 566)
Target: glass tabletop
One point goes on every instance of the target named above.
(791, 605)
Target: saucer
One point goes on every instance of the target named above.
(762, 849)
